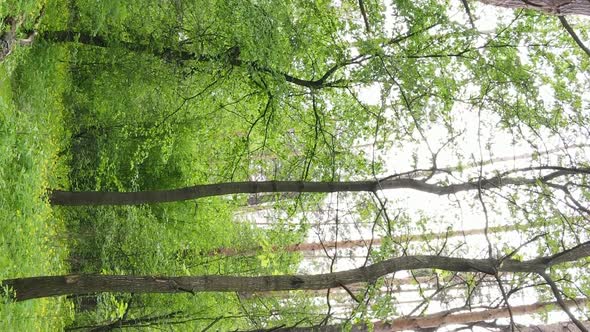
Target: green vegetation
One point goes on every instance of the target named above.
(32, 136)
(154, 95)
(94, 119)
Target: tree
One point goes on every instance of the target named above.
(59, 197)
(445, 318)
(351, 244)
(38, 287)
(556, 327)
(560, 7)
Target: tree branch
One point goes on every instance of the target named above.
(468, 12)
(364, 14)
(561, 302)
(573, 34)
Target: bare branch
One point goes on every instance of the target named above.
(468, 12)
(573, 34)
(364, 14)
(560, 301)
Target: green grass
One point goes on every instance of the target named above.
(32, 82)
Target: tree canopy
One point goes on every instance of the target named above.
(293, 164)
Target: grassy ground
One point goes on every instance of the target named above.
(31, 138)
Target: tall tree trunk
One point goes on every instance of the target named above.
(99, 41)
(37, 287)
(349, 244)
(231, 56)
(556, 327)
(445, 318)
(59, 197)
(428, 283)
(557, 7)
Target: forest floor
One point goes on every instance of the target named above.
(32, 135)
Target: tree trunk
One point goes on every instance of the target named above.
(445, 318)
(428, 283)
(349, 244)
(557, 327)
(37, 287)
(556, 7)
(59, 197)
(99, 41)
(231, 56)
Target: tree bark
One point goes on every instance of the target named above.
(555, 7)
(445, 318)
(59, 197)
(349, 244)
(99, 41)
(556, 327)
(38, 287)
(180, 55)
